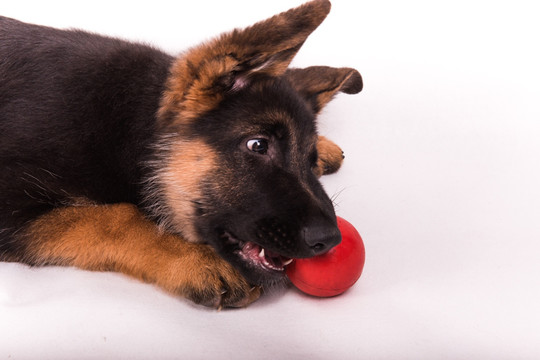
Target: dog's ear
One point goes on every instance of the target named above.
(202, 76)
(319, 84)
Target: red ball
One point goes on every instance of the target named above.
(335, 271)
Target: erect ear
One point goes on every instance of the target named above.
(201, 77)
(319, 84)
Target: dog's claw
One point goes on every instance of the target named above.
(253, 294)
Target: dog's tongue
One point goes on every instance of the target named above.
(264, 258)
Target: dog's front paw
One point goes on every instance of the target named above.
(330, 157)
(202, 276)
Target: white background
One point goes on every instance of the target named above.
(441, 179)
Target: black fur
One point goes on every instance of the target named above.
(77, 113)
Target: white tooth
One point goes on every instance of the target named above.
(285, 263)
(261, 254)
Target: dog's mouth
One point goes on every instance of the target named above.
(263, 258)
(257, 256)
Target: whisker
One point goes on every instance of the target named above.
(334, 197)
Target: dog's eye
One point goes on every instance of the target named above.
(259, 146)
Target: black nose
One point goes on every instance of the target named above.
(321, 238)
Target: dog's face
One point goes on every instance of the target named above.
(238, 162)
(262, 204)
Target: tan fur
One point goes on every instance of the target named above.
(118, 238)
(188, 164)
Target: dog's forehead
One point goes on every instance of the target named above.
(273, 105)
(278, 122)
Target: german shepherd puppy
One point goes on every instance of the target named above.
(197, 173)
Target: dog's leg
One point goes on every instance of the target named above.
(330, 157)
(118, 238)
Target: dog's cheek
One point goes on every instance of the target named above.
(189, 166)
(230, 195)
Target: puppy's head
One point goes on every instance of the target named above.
(237, 164)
